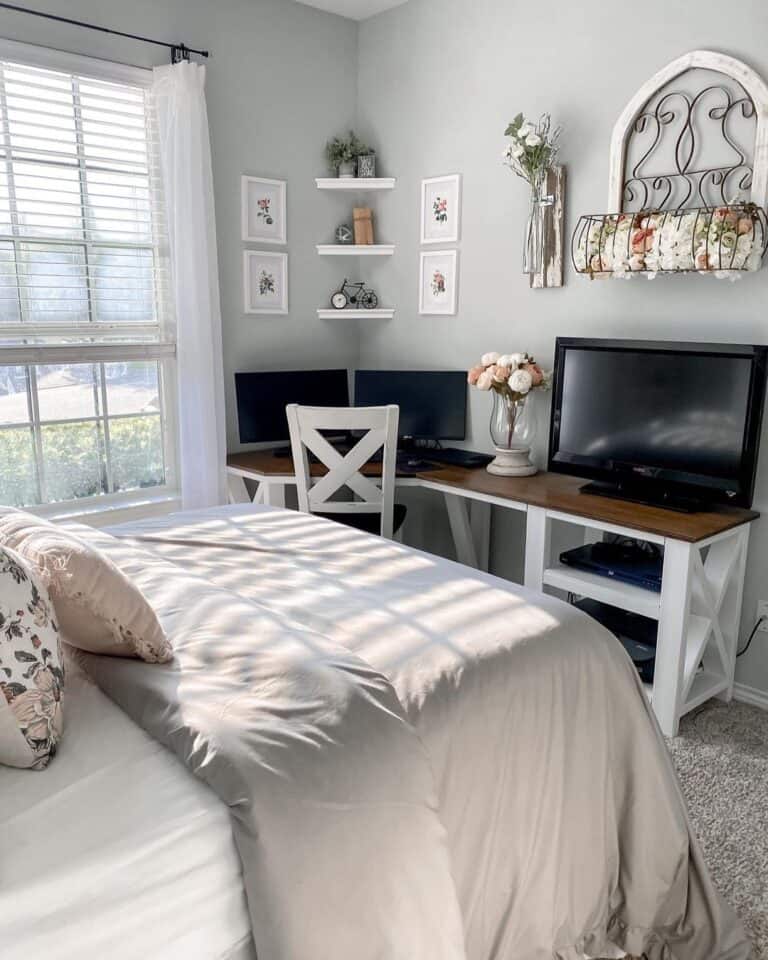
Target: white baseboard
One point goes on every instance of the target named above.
(758, 698)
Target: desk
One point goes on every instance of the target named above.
(698, 609)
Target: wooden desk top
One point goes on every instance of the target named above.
(550, 490)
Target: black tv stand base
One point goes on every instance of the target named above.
(660, 498)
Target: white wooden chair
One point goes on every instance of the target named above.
(375, 511)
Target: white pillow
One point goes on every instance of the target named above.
(98, 608)
(31, 671)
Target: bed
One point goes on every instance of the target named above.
(419, 760)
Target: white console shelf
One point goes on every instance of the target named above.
(355, 183)
(355, 249)
(382, 313)
(698, 608)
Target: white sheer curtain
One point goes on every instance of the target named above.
(185, 157)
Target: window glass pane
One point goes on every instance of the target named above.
(69, 391)
(72, 453)
(54, 287)
(132, 387)
(5, 204)
(48, 200)
(18, 482)
(119, 206)
(41, 112)
(14, 404)
(137, 452)
(122, 281)
(9, 298)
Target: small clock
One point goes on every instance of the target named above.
(343, 233)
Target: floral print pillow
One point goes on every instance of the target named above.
(31, 671)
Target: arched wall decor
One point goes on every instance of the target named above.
(688, 176)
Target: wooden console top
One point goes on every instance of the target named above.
(549, 490)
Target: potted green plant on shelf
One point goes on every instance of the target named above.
(342, 154)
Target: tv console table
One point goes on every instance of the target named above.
(698, 609)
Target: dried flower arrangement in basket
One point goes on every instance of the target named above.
(707, 215)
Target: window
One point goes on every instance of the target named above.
(86, 333)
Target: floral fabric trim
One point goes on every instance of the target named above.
(31, 669)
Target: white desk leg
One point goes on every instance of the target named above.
(273, 493)
(672, 638)
(238, 492)
(536, 547)
(461, 530)
(480, 519)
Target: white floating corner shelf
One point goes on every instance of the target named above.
(384, 313)
(355, 249)
(355, 183)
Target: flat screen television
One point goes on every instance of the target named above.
(262, 397)
(670, 423)
(433, 403)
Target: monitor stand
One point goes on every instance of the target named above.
(648, 496)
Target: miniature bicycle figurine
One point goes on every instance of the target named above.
(354, 294)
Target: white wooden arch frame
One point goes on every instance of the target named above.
(705, 60)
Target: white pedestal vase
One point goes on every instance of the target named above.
(512, 432)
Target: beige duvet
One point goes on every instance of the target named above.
(421, 761)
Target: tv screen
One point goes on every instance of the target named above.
(262, 398)
(433, 403)
(663, 416)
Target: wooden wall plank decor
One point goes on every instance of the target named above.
(551, 273)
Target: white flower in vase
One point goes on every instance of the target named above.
(484, 381)
(520, 381)
(488, 358)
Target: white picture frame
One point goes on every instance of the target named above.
(438, 268)
(441, 209)
(263, 210)
(265, 282)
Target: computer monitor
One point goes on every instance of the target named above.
(263, 396)
(433, 403)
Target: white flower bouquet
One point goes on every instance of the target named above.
(721, 241)
(533, 149)
(512, 375)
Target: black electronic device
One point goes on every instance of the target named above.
(624, 561)
(636, 633)
(262, 398)
(454, 457)
(675, 424)
(433, 403)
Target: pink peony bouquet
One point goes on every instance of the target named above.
(512, 375)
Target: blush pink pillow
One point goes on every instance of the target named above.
(97, 607)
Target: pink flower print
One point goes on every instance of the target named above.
(440, 209)
(263, 212)
(438, 283)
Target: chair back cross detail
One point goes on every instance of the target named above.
(380, 426)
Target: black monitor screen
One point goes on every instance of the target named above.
(433, 403)
(683, 415)
(262, 399)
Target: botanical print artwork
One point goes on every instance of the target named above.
(263, 210)
(440, 209)
(265, 282)
(438, 282)
(31, 672)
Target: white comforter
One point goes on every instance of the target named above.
(564, 824)
(114, 851)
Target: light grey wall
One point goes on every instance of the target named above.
(280, 81)
(438, 82)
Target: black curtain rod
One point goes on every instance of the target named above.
(178, 50)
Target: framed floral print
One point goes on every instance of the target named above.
(263, 210)
(265, 281)
(438, 282)
(441, 209)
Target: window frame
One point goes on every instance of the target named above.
(162, 350)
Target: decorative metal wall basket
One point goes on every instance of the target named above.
(689, 175)
(723, 241)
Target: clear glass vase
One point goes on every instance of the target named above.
(512, 426)
(533, 240)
